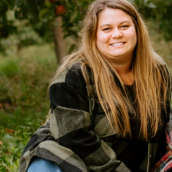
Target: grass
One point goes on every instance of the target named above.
(24, 104)
(24, 79)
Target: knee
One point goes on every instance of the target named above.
(42, 165)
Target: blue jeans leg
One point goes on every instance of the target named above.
(42, 165)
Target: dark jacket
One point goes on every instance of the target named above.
(78, 136)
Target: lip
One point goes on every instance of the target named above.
(117, 43)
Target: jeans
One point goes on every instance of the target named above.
(42, 165)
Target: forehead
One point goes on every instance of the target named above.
(113, 16)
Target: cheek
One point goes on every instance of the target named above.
(101, 42)
(101, 38)
(131, 34)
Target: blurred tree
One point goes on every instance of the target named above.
(160, 12)
(44, 17)
(60, 47)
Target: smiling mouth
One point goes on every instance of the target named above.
(119, 43)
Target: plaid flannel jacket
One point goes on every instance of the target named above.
(165, 163)
(78, 136)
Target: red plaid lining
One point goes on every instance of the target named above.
(165, 163)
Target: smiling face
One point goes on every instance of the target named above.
(116, 36)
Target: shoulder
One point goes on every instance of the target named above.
(164, 71)
(71, 76)
(69, 89)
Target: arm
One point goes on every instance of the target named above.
(70, 124)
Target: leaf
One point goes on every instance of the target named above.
(9, 131)
(151, 5)
(1, 143)
(17, 2)
(6, 166)
(47, 4)
(71, 48)
(43, 12)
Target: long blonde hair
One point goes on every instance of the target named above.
(150, 73)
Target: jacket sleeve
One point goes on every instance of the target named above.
(70, 124)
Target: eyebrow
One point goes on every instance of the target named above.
(119, 23)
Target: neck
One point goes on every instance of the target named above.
(125, 72)
(123, 69)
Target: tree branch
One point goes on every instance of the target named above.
(79, 7)
(6, 166)
(6, 3)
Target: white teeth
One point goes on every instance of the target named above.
(118, 43)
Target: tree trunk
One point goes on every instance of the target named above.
(60, 47)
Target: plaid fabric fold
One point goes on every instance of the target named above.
(165, 163)
(168, 133)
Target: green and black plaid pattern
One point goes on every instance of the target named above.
(68, 138)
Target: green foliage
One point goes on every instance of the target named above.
(159, 12)
(24, 81)
(23, 77)
(15, 140)
(9, 68)
(20, 24)
(39, 15)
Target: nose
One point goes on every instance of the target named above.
(116, 33)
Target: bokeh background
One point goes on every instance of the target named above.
(34, 37)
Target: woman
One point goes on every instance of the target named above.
(109, 101)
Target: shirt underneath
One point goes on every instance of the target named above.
(136, 150)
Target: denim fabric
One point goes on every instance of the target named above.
(42, 165)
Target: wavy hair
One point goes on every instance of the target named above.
(150, 73)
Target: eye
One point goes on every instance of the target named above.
(106, 29)
(124, 26)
